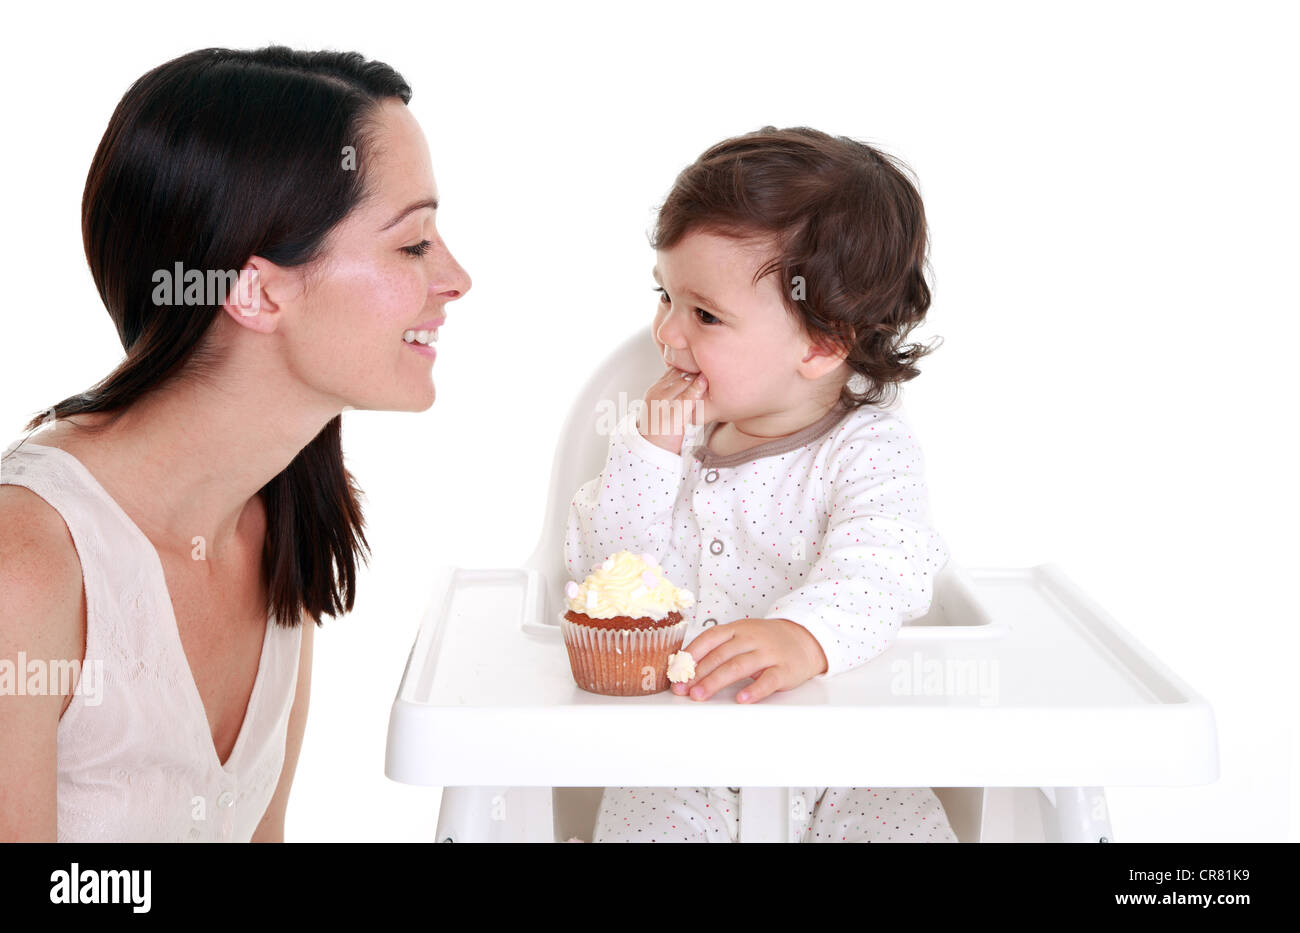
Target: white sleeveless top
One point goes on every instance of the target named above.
(136, 762)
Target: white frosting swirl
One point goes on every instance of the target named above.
(627, 585)
(681, 667)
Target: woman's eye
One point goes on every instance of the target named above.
(419, 249)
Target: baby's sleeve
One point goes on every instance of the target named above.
(879, 555)
(629, 507)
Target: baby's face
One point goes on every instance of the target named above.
(711, 318)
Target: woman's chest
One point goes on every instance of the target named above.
(221, 620)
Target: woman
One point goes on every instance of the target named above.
(177, 524)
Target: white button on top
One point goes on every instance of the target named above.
(711, 476)
(227, 799)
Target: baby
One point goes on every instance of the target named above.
(770, 471)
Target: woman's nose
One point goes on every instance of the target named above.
(451, 281)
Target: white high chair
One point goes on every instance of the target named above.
(1015, 697)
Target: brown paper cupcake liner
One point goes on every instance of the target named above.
(621, 662)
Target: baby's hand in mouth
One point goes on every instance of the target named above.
(670, 404)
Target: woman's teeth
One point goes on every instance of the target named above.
(421, 336)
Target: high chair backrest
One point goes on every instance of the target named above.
(582, 446)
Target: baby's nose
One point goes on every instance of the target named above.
(667, 332)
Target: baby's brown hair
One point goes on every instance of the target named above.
(849, 232)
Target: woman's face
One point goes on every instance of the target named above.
(385, 272)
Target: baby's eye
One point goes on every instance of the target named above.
(704, 316)
(419, 249)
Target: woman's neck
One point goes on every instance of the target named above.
(187, 460)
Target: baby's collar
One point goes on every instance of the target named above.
(771, 448)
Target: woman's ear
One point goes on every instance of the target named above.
(249, 302)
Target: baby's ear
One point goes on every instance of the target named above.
(821, 356)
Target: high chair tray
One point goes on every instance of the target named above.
(1014, 678)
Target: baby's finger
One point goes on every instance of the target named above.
(703, 643)
(707, 680)
(696, 384)
(695, 399)
(679, 383)
(767, 683)
(669, 384)
(736, 668)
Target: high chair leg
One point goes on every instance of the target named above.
(1080, 815)
(496, 814)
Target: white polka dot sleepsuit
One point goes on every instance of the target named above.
(829, 528)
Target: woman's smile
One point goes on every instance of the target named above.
(422, 337)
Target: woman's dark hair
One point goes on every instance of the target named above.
(209, 159)
(849, 233)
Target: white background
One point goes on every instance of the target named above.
(1112, 201)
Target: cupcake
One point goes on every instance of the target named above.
(622, 624)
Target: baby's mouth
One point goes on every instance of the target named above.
(682, 369)
(668, 360)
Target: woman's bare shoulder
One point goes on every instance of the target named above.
(41, 597)
(42, 617)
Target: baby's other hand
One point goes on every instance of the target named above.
(778, 653)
